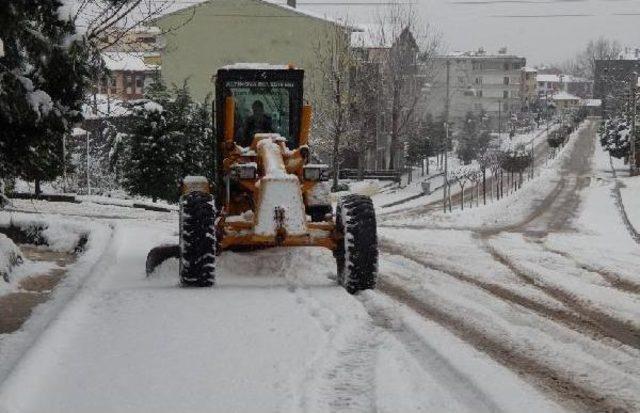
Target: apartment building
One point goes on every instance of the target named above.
(613, 79)
(129, 73)
(477, 82)
(528, 87)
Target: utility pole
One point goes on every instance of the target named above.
(499, 119)
(445, 192)
(448, 97)
(634, 114)
(445, 188)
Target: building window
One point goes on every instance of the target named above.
(506, 66)
(139, 84)
(505, 80)
(479, 80)
(128, 84)
(505, 94)
(461, 80)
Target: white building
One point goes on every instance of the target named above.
(477, 82)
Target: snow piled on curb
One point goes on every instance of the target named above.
(13, 347)
(508, 210)
(9, 256)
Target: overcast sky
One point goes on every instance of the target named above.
(543, 31)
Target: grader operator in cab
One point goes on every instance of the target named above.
(266, 192)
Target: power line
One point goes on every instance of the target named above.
(305, 3)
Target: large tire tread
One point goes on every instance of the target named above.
(357, 252)
(197, 240)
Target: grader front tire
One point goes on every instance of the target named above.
(197, 240)
(357, 252)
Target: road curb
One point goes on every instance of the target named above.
(617, 195)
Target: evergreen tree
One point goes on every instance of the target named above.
(151, 164)
(165, 143)
(42, 81)
(615, 137)
(472, 140)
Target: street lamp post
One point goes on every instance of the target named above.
(88, 134)
(64, 162)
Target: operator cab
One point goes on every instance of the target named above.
(267, 98)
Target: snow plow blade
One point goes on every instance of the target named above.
(160, 254)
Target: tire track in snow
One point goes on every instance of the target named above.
(615, 280)
(578, 396)
(565, 316)
(601, 322)
(430, 360)
(342, 375)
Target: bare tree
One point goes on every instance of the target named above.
(584, 63)
(338, 92)
(410, 46)
(461, 175)
(100, 18)
(475, 177)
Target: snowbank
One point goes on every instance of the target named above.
(63, 235)
(630, 191)
(58, 235)
(506, 211)
(10, 255)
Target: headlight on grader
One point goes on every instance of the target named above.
(316, 172)
(244, 171)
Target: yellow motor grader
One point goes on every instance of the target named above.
(266, 191)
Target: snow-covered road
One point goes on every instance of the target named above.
(548, 290)
(538, 312)
(276, 334)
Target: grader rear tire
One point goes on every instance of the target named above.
(357, 252)
(197, 240)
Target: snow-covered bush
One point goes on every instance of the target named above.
(515, 160)
(615, 137)
(10, 255)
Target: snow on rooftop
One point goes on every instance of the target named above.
(371, 37)
(104, 106)
(548, 78)
(530, 69)
(565, 96)
(480, 54)
(256, 66)
(179, 6)
(154, 30)
(629, 54)
(77, 132)
(130, 61)
(573, 79)
(596, 103)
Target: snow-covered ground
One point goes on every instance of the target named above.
(547, 277)
(530, 304)
(276, 334)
